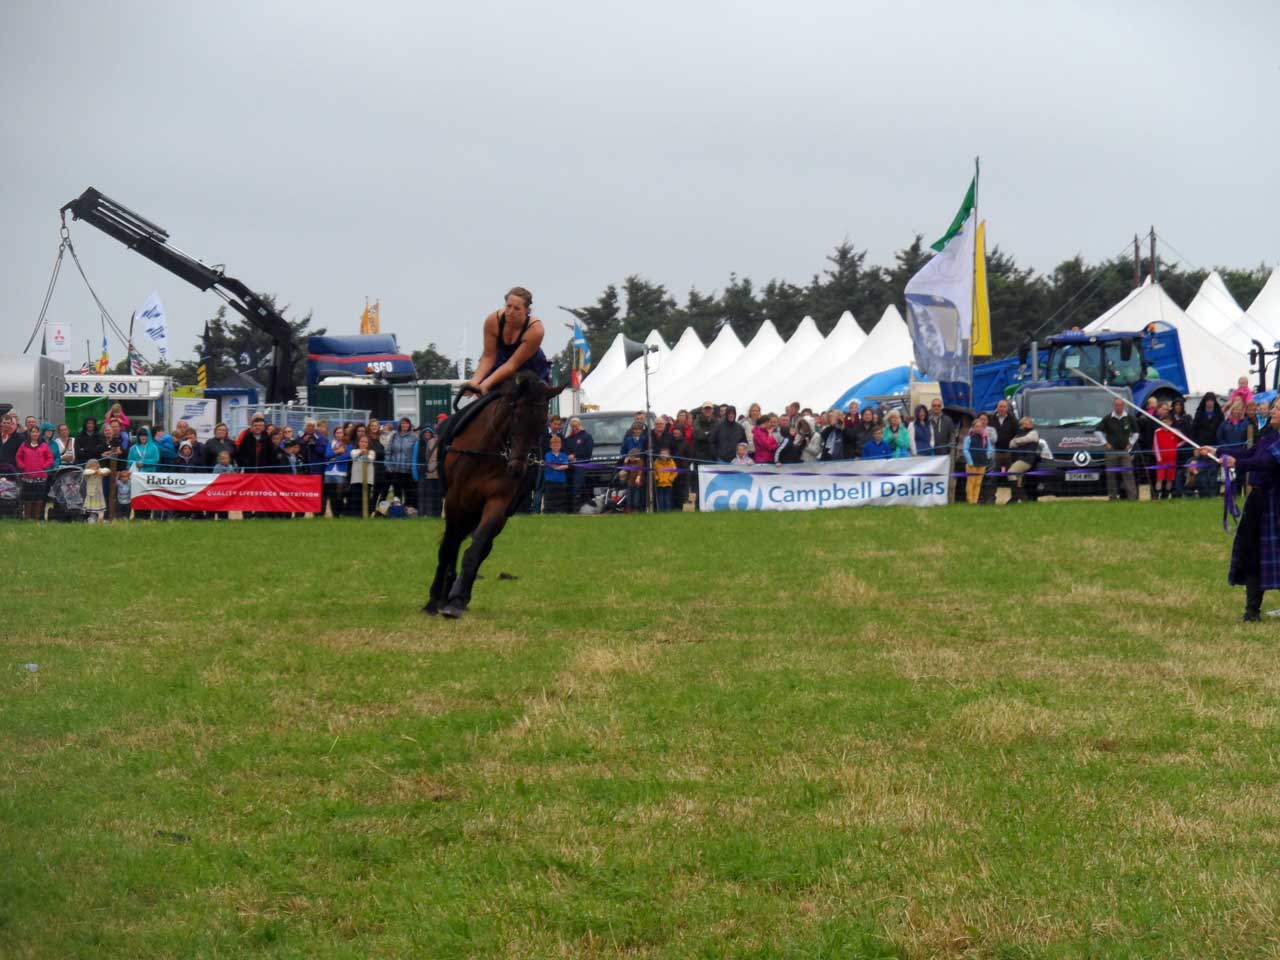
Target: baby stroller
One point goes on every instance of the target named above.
(66, 490)
(10, 494)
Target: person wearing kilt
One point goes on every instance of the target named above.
(1255, 554)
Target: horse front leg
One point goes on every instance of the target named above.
(491, 524)
(455, 531)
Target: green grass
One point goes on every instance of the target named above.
(1029, 731)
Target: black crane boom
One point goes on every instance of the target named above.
(152, 241)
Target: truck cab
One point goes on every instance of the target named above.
(1072, 452)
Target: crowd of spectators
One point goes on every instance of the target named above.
(364, 467)
(367, 468)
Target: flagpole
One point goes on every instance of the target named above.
(973, 284)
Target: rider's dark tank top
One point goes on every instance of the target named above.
(538, 363)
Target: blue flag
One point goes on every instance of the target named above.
(582, 347)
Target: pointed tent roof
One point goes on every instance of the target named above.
(630, 382)
(773, 388)
(845, 339)
(731, 383)
(605, 370)
(1265, 309)
(724, 350)
(888, 345)
(1217, 311)
(684, 358)
(1210, 363)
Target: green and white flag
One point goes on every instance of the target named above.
(966, 208)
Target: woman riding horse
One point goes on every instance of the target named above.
(486, 467)
(512, 342)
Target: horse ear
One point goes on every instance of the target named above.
(556, 391)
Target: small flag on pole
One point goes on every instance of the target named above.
(136, 366)
(202, 371)
(369, 320)
(155, 324)
(104, 361)
(582, 349)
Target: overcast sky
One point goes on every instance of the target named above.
(433, 155)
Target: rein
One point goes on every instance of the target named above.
(505, 453)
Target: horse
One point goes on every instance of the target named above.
(486, 468)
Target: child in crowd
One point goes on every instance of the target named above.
(555, 477)
(979, 451)
(223, 465)
(124, 495)
(877, 448)
(363, 473)
(1166, 444)
(95, 501)
(743, 457)
(633, 474)
(664, 477)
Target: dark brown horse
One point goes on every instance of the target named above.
(487, 469)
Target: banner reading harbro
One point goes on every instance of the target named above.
(911, 482)
(259, 492)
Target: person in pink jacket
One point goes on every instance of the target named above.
(33, 459)
(1242, 391)
(765, 440)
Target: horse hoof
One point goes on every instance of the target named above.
(453, 610)
(431, 609)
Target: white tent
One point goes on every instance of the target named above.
(631, 382)
(672, 391)
(734, 382)
(684, 358)
(1217, 311)
(1210, 363)
(1265, 309)
(767, 389)
(887, 346)
(604, 371)
(791, 379)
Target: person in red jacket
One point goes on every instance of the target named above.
(34, 460)
(1166, 444)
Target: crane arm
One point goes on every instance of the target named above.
(152, 241)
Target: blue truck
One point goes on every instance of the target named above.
(1066, 407)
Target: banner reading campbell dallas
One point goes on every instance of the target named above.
(258, 492)
(910, 482)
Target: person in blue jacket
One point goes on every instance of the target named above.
(162, 439)
(144, 454)
(877, 448)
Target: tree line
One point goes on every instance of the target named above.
(1023, 301)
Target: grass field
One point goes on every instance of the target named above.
(1032, 731)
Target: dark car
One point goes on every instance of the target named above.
(607, 428)
(1066, 419)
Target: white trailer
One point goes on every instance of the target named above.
(33, 386)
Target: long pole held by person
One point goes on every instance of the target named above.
(1156, 420)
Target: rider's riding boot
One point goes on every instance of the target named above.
(1252, 599)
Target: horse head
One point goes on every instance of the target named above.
(530, 402)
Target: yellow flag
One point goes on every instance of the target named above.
(374, 318)
(364, 320)
(981, 335)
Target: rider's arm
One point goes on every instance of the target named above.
(528, 347)
(490, 355)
